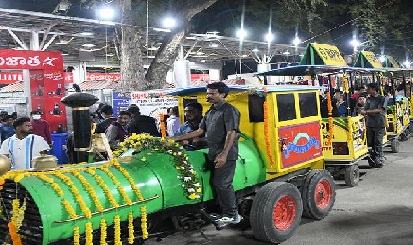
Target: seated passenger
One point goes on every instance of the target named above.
(193, 115)
(118, 131)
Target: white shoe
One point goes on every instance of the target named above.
(226, 220)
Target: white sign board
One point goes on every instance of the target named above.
(153, 103)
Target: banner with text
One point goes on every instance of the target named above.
(153, 103)
(28, 59)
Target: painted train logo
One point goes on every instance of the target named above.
(298, 145)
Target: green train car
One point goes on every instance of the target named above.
(279, 178)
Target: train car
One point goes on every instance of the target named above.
(279, 177)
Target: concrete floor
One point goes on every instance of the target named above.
(379, 211)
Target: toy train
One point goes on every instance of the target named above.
(279, 177)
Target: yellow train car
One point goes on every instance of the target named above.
(345, 147)
(284, 122)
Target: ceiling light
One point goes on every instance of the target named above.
(255, 50)
(245, 55)
(86, 33)
(88, 45)
(214, 45)
(286, 53)
(65, 53)
(153, 48)
(106, 13)
(62, 42)
(200, 53)
(109, 55)
(161, 29)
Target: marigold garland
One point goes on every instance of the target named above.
(90, 189)
(76, 235)
(124, 195)
(141, 142)
(267, 132)
(163, 129)
(15, 237)
(144, 223)
(89, 233)
(105, 188)
(103, 232)
(69, 209)
(116, 224)
(86, 211)
(2, 181)
(131, 237)
(330, 118)
(130, 179)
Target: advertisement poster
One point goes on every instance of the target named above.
(300, 143)
(153, 103)
(120, 101)
(55, 111)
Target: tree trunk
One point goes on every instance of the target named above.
(168, 51)
(164, 59)
(132, 71)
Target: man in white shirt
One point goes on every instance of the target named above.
(23, 146)
(172, 123)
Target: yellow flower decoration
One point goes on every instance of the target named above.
(89, 233)
(103, 232)
(116, 224)
(76, 236)
(130, 228)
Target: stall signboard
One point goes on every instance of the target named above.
(95, 76)
(120, 101)
(153, 103)
(28, 59)
(372, 59)
(10, 77)
(322, 54)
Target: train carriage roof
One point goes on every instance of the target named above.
(242, 88)
(303, 70)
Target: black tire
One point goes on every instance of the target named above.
(352, 175)
(318, 193)
(276, 212)
(395, 145)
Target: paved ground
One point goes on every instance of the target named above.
(379, 211)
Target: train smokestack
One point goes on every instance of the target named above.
(80, 103)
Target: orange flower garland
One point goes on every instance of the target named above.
(330, 118)
(2, 181)
(15, 237)
(266, 131)
(163, 129)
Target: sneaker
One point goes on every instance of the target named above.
(226, 220)
(215, 216)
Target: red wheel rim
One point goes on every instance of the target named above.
(284, 212)
(323, 194)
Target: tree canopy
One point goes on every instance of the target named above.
(378, 24)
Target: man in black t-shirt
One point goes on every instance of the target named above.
(375, 112)
(223, 133)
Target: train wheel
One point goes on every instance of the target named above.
(318, 193)
(276, 212)
(395, 145)
(352, 175)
